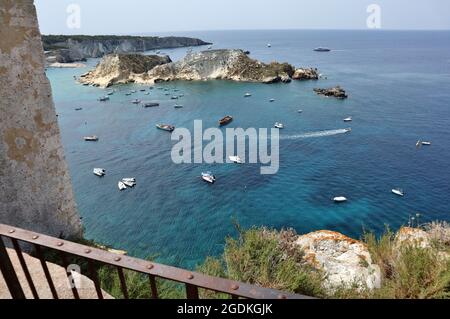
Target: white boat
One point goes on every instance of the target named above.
(419, 143)
(121, 186)
(426, 143)
(129, 183)
(236, 159)
(247, 94)
(110, 93)
(136, 101)
(348, 119)
(92, 138)
(99, 172)
(347, 130)
(340, 199)
(279, 125)
(209, 177)
(300, 111)
(269, 45)
(129, 179)
(272, 100)
(178, 106)
(398, 191)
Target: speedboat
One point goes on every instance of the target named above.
(142, 90)
(127, 94)
(78, 109)
(269, 45)
(247, 94)
(165, 127)
(419, 143)
(99, 172)
(272, 100)
(300, 111)
(129, 179)
(147, 93)
(236, 159)
(348, 119)
(226, 120)
(174, 97)
(121, 186)
(178, 106)
(104, 98)
(92, 138)
(398, 191)
(136, 101)
(133, 91)
(322, 49)
(110, 93)
(340, 199)
(279, 125)
(426, 143)
(209, 177)
(151, 104)
(347, 130)
(128, 183)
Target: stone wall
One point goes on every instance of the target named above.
(35, 186)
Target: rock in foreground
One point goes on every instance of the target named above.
(336, 92)
(122, 68)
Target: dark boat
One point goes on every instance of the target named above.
(151, 104)
(226, 120)
(165, 127)
(320, 49)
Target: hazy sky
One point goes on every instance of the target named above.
(147, 16)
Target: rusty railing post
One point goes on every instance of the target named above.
(9, 273)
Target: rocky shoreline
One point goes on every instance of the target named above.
(223, 64)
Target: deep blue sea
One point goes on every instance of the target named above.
(399, 92)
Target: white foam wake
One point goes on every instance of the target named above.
(313, 134)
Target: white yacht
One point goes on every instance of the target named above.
(99, 172)
(247, 95)
(348, 119)
(269, 45)
(426, 143)
(129, 179)
(209, 177)
(279, 125)
(128, 183)
(398, 191)
(340, 199)
(92, 138)
(272, 100)
(236, 159)
(121, 186)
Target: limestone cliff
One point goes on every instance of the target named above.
(122, 68)
(72, 48)
(35, 186)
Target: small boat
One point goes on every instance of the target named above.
(279, 125)
(178, 106)
(209, 177)
(136, 101)
(99, 172)
(347, 130)
(236, 159)
(269, 45)
(398, 191)
(110, 93)
(92, 138)
(247, 94)
(129, 179)
(121, 186)
(129, 183)
(127, 94)
(133, 91)
(226, 120)
(272, 100)
(78, 109)
(150, 104)
(147, 93)
(174, 97)
(426, 143)
(300, 111)
(322, 49)
(419, 143)
(180, 95)
(104, 98)
(142, 90)
(165, 127)
(340, 199)
(348, 119)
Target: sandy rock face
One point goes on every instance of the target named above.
(122, 68)
(305, 74)
(414, 236)
(344, 260)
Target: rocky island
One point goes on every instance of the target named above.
(75, 48)
(336, 92)
(223, 64)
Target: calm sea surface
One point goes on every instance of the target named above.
(399, 87)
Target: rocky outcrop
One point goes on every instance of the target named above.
(413, 236)
(306, 74)
(35, 186)
(336, 92)
(122, 68)
(345, 261)
(67, 49)
(85, 286)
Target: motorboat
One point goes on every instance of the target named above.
(236, 159)
(209, 177)
(129, 179)
(99, 172)
(347, 130)
(426, 143)
(419, 143)
(78, 109)
(129, 183)
(165, 127)
(147, 93)
(110, 93)
(133, 91)
(300, 111)
(142, 90)
(340, 199)
(322, 49)
(398, 191)
(136, 101)
(272, 100)
(279, 125)
(178, 106)
(226, 120)
(247, 94)
(348, 119)
(92, 138)
(104, 98)
(121, 186)
(151, 104)
(127, 94)
(269, 45)
(174, 97)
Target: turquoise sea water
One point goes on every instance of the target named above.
(399, 87)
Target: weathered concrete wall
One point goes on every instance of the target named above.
(35, 187)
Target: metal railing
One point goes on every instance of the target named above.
(192, 280)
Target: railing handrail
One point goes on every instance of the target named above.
(193, 280)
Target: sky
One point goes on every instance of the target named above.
(150, 16)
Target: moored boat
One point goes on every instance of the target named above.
(209, 177)
(121, 186)
(398, 192)
(136, 101)
(92, 138)
(322, 49)
(247, 94)
(236, 159)
(99, 172)
(151, 104)
(340, 199)
(279, 125)
(426, 143)
(348, 119)
(165, 127)
(104, 98)
(226, 120)
(178, 106)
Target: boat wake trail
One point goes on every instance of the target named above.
(314, 134)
